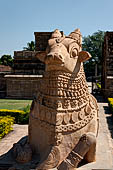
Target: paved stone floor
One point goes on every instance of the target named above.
(104, 140)
(7, 142)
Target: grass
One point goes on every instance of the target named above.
(14, 104)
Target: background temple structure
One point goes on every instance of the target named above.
(22, 81)
(107, 65)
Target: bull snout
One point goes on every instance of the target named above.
(54, 58)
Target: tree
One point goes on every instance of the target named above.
(93, 44)
(30, 46)
(6, 60)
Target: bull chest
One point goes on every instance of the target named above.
(63, 104)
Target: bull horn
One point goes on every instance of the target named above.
(76, 35)
(56, 34)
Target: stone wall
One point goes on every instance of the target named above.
(108, 91)
(25, 62)
(41, 40)
(22, 86)
(2, 85)
(107, 65)
(4, 70)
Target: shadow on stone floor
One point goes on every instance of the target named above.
(99, 98)
(82, 163)
(109, 119)
(108, 114)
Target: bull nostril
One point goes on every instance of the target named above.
(60, 56)
(56, 54)
(50, 56)
(55, 57)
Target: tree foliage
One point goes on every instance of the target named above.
(6, 60)
(30, 46)
(93, 44)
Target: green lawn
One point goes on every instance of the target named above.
(14, 104)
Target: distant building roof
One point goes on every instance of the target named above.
(4, 68)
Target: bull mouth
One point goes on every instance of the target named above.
(54, 59)
(57, 67)
(57, 61)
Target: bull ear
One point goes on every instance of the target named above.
(84, 56)
(41, 56)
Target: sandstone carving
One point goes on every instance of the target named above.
(63, 121)
(21, 153)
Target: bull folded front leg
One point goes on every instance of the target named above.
(85, 149)
(51, 161)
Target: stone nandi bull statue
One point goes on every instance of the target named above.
(63, 120)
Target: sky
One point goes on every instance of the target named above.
(19, 19)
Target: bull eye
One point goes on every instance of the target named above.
(73, 52)
(58, 40)
(73, 49)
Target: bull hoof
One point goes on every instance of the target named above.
(52, 160)
(86, 145)
(66, 165)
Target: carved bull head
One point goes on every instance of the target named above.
(64, 52)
